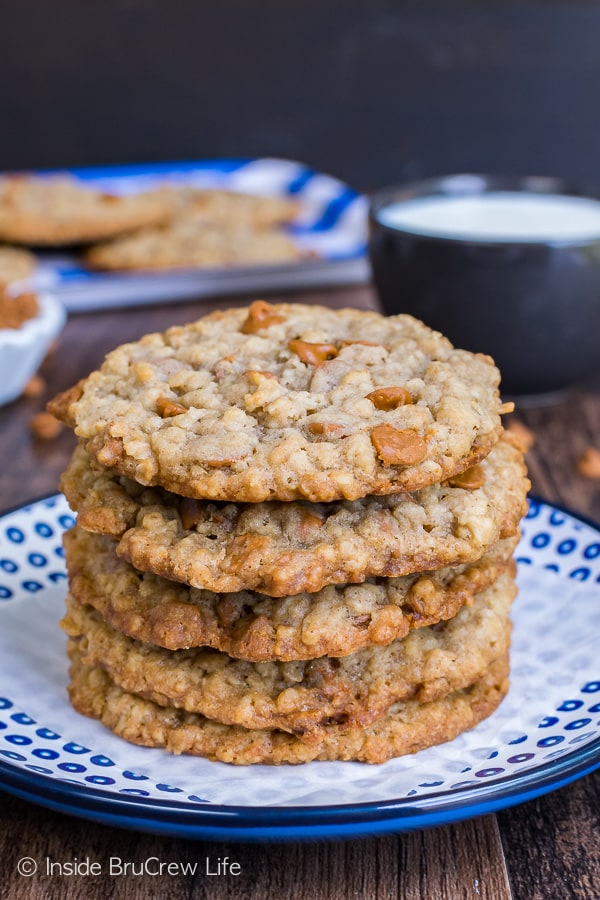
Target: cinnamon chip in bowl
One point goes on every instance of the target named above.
(28, 326)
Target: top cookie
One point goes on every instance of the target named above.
(60, 210)
(286, 402)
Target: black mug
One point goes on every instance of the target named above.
(533, 305)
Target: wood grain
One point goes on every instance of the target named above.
(459, 862)
(542, 850)
(552, 844)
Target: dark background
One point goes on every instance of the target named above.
(369, 90)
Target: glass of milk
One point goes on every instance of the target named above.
(505, 266)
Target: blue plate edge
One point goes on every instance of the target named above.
(282, 824)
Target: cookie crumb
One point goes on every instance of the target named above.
(588, 463)
(44, 426)
(35, 387)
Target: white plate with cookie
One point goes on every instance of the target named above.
(545, 733)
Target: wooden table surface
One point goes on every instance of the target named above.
(546, 849)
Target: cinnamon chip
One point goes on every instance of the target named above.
(389, 397)
(35, 387)
(167, 408)
(397, 447)
(588, 463)
(14, 311)
(44, 426)
(189, 512)
(313, 354)
(260, 315)
(469, 480)
(328, 429)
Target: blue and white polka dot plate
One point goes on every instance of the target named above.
(545, 734)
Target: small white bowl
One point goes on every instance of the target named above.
(23, 349)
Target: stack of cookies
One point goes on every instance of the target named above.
(294, 537)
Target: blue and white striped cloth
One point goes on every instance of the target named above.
(332, 224)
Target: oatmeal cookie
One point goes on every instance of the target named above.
(335, 621)
(55, 210)
(305, 698)
(281, 549)
(219, 206)
(210, 229)
(191, 241)
(286, 402)
(407, 727)
(260, 211)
